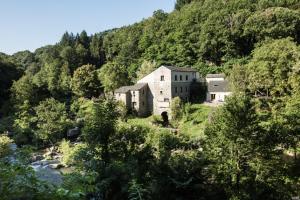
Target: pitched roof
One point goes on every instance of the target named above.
(137, 86)
(181, 69)
(218, 86)
(123, 89)
(126, 89)
(215, 76)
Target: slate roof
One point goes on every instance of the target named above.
(126, 89)
(181, 69)
(137, 86)
(123, 89)
(215, 76)
(218, 86)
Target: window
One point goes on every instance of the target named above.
(175, 77)
(133, 93)
(186, 89)
(180, 77)
(143, 91)
(181, 89)
(187, 77)
(119, 94)
(161, 92)
(166, 100)
(162, 78)
(143, 103)
(175, 89)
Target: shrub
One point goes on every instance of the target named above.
(5, 146)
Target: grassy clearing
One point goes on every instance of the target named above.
(193, 124)
(146, 122)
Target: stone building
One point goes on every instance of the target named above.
(217, 88)
(153, 94)
(134, 97)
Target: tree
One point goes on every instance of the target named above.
(100, 126)
(180, 3)
(276, 23)
(146, 68)
(24, 90)
(242, 155)
(52, 120)
(113, 76)
(176, 108)
(291, 124)
(274, 67)
(85, 82)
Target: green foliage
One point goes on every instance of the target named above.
(8, 73)
(274, 67)
(146, 68)
(52, 120)
(242, 153)
(136, 191)
(113, 76)
(122, 110)
(100, 126)
(176, 108)
(70, 152)
(85, 82)
(276, 23)
(5, 146)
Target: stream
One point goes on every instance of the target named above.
(46, 170)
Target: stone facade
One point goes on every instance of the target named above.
(134, 97)
(164, 84)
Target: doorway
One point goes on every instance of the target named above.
(165, 118)
(212, 97)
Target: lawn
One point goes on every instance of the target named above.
(193, 124)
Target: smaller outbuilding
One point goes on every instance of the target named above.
(217, 88)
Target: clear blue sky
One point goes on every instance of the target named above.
(29, 24)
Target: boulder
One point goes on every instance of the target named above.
(56, 166)
(72, 133)
(35, 158)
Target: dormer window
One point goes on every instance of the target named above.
(162, 78)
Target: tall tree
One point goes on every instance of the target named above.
(242, 153)
(85, 82)
(112, 76)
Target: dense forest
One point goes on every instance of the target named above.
(248, 148)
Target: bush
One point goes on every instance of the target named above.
(156, 119)
(69, 152)
(176, 108)
(5, 146)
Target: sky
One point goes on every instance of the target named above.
(30, 24)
